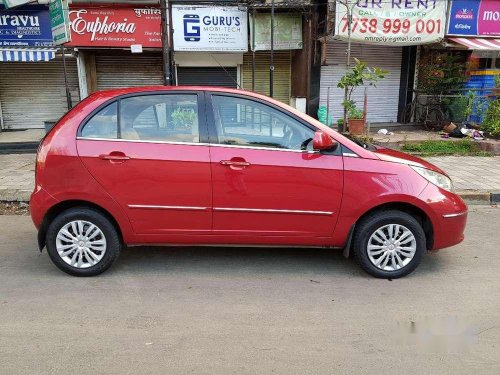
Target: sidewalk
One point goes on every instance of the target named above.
(472, 176)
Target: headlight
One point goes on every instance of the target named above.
(436, 178)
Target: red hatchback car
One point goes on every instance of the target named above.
(208, 166)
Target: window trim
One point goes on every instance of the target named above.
(202, 118)
(213, 139)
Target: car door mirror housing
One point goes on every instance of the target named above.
(323, 141)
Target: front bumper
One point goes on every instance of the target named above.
(448, 214)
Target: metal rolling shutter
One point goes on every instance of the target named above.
(208, 76)
(383, 99)
(116, 71)
(31, 93)
(281, 78)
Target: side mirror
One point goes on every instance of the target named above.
(323, 141)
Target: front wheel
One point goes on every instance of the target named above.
(389, 244)
(82, 242)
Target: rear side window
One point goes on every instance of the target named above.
(168, 118)
(104, 124)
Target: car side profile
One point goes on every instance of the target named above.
(216, 166)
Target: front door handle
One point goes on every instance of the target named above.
(114, 156)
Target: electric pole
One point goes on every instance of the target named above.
(271, 66)
(165, 43)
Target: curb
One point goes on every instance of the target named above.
(479, 197)
(469, 196)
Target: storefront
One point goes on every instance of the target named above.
(32, 87)
(474, 26)
(383, 35)
(120, 46)
(117, 46)
(257, 62)
(209, 43)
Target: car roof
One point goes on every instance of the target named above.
(144, 89)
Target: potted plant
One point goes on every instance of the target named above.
(355, 118)
(359, 75)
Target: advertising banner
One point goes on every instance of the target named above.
(287, 31)
(395, 22)
(25, 27)
(99, 26)
(59, 21)
(210, 28)
(474, 18)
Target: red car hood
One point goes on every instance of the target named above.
(394, 156)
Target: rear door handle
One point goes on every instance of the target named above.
(235, 163)
(114, 156)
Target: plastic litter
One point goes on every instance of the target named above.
(385, 132)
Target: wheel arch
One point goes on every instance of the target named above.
(65, 205)
(408, 208)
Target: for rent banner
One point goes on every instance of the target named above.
(392, 22)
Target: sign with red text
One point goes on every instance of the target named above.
(394, 22)
(100, 26)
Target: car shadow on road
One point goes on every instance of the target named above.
(235, 260)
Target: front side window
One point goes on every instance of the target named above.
(246, 122)
(170, 118)
(104, 124)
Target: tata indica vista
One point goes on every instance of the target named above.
(215, 166)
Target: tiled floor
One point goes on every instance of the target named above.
(468, 173)
(471, 173)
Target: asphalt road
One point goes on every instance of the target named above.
(250, 311)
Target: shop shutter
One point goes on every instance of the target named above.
(32, 93)
(127, 70)
(383, 99)
(281, 77)
(208, 76)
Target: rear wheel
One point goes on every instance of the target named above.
(82, 242)
(389, 244)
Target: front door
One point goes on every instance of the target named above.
(146, 151)
(267, 180)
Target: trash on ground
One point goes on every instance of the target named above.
(385, 132)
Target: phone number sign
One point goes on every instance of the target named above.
(394, 22)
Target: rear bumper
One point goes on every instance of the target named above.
(40, 202)
(448, 216)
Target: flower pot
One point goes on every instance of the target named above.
(356, 126)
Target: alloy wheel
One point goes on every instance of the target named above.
(81, 244)
(391, 247)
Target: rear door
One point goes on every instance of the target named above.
(149, 152)
(264, 182)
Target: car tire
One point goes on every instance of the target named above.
(377, 248)
(82, 241)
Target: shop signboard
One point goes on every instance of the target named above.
(474, 18)
(117, 26)
(394, 22)
(27, 26)
(210, 28)
(59, 21)
(287, 31)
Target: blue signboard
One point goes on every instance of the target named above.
(463, 17)
(27, 26)
(474, 18)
